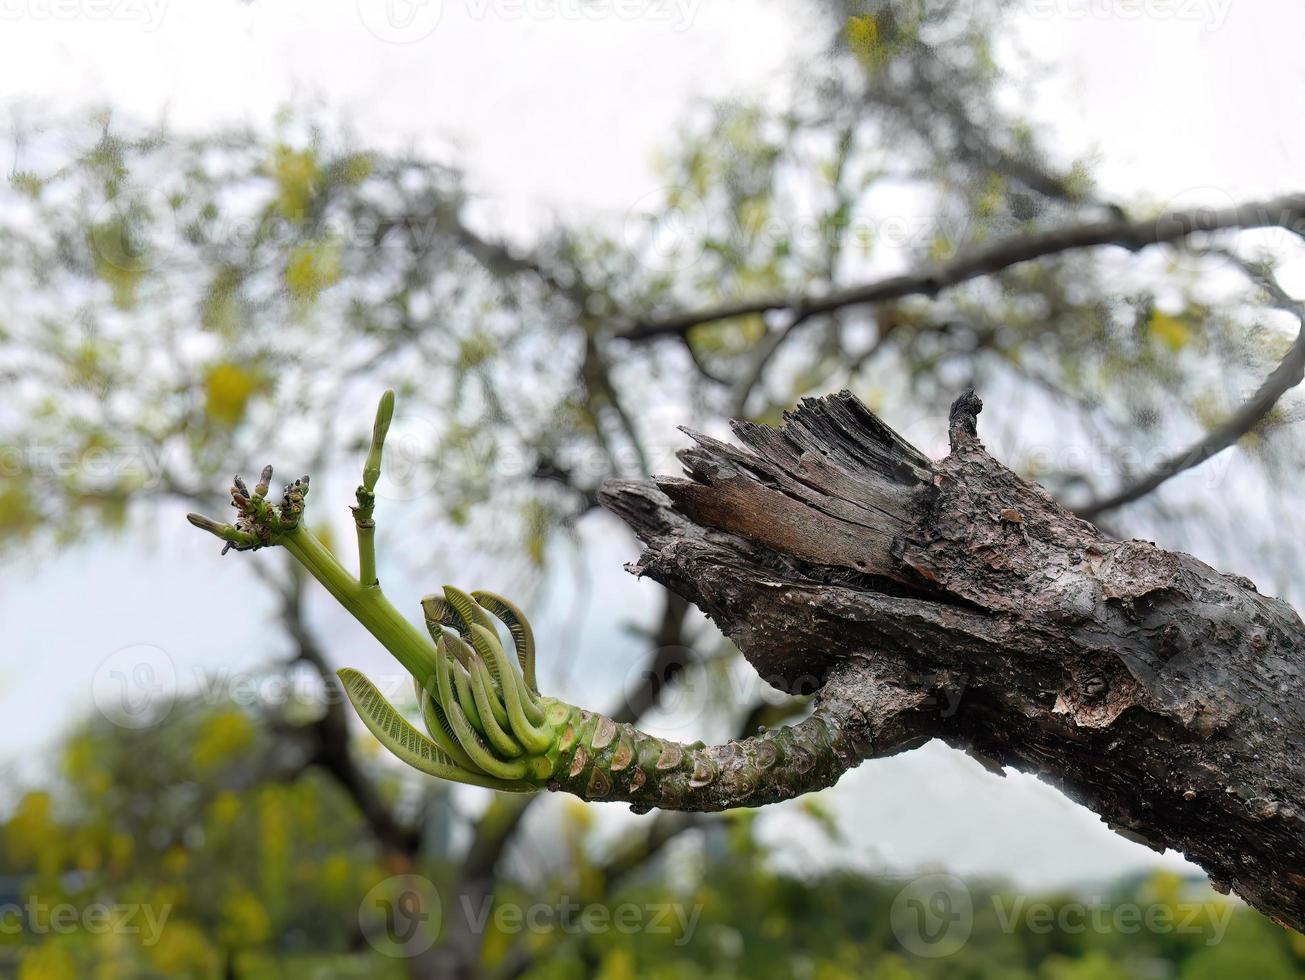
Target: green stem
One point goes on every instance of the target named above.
(368, 604)
(362, 514)
(367, 556)
(598, 758)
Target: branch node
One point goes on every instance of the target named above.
(962, 421)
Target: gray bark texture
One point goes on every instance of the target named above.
(955, 600)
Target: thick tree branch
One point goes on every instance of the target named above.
(1145, 684)
(1284, 212)
(858, 716)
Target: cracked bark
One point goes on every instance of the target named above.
(1145, 684)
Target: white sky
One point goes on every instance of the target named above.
(1193, 101)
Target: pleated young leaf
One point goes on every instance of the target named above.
(407, 743)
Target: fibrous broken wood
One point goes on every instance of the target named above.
(1161, 693)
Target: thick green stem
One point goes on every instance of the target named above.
(601, 759)
(409, 645)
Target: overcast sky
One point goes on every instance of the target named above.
(553, 110)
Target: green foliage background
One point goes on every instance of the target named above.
(173, 305)
(263, 877)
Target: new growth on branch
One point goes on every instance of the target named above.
(486, 722)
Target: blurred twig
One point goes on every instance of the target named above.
(1287, 375)
(1133, 235)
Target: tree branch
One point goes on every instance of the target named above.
(1143, 683)
(1285, 212)
(1287, 375)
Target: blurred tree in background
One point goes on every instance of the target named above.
(172, 303)
(252, 869)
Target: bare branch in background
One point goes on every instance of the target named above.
(1287, 375)
(1283, 212)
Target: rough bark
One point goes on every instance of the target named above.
(858, 717)
(1145, 684)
